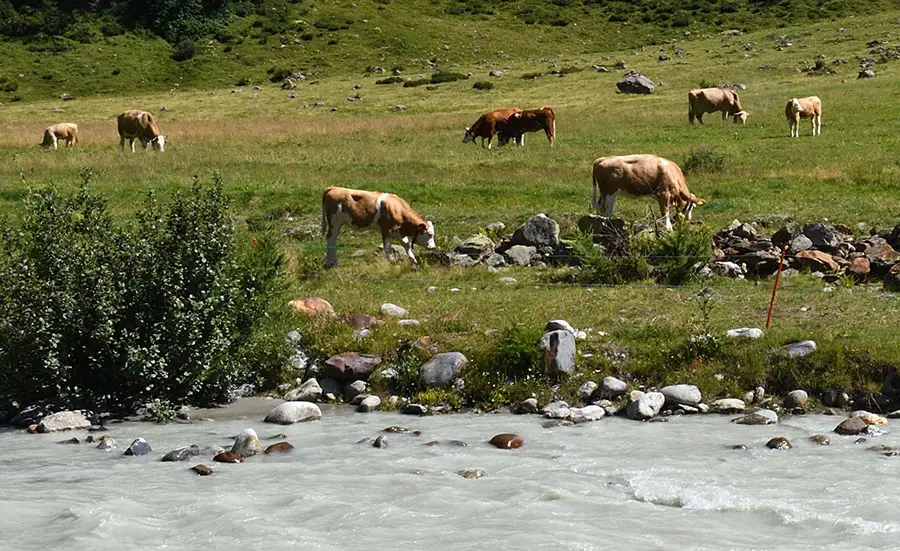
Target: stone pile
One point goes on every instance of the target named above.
(535, 243)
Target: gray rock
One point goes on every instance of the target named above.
(866, 73)
(587, 390)
(796, 399)
(138, 446)
(556, 410)
(495, 227)
(521, 255)
(354, 389)
(801, 243)
(508, 280)
(821, 236)
(728, 405)
(768, 414)
(478, 245)
(495, 259)
(538, 231)
(289, 413)
(351, 366)
(559, 352)
(247, 444)
(330, 386)
(495, 73)
(688, 395)
(380, 442)
(64, 420)
(310, 391)
(414, 409)
(370, 403)
(390, 309)
(851, 427)
(613, 388)
(182, 454)
(745, 333)
(529, 405)
(635, 83)
(586, 414)
(107, 444)
(800, 349)
(647, 406)
(559, 325)
(442, 369)
(727, 269)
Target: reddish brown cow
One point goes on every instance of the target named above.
(710, 100)
(488, 125)
(364, 210)
(135, 124)
(530, 120)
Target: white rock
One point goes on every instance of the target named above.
(63, 420)
(408, 322)
(586, 414)
(587, 390)
(369, 403)
(294, 412)
(745, 333)
(556, 410)
(796, 399)
(247, 442)
(728, 405)
(613, 388)
(688, 395)
(310, 391)
(389, 309)
(431, 289)
(647, 406)
(800, 349)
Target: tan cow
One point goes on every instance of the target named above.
(364, 210)
(63, 131)
(711, 100)
(804, 108)
(136, 124)
(530, 120)
(642, 175)
(488, 125)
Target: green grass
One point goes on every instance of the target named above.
(278, 154)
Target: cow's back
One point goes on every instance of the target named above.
(487, 124)
(135, 122)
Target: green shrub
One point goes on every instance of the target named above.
(278, 72)
(626, 264)
(483, 85)
(390, 80)
(678, 254)
(166, 308)
(446, 76)
(704, 159)
(184, 50)
(414, 83)
(508, 370)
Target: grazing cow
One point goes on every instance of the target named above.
(530, 120)
(804, 108)
(710, 100)
(364, 210)
(642, 175)
(63, 131)
(136, 124)
(489, 124)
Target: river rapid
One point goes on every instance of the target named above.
(613, 484)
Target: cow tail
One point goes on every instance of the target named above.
(595, 185)
(690, 109)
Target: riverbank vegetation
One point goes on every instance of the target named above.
(275, 154)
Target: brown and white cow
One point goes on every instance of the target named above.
(67, 131)
(529, 120)
(136, 124)
(488, 125)
(711, 100)
(804, 108)
(364, 210)
(642, 175)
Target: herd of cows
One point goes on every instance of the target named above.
(640, 175)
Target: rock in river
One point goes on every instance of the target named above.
(820, 440)
(279, 447)
(309, 391)
(64, 420)
(507, 441)
(688, 395)
(380, 442)
(779, 443)
(182, 454)
(294, 412)
(646, 406)
(369, 403)
(202, 470)
(472, 473)
(851, 427)
(228, 457)
(247, 442)
(139, 447)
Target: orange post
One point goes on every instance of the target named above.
(775, 289)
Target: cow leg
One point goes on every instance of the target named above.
(609, 201)
(122, 143)
(490, 140)
(521, 140)
(409, 251)
(131, 143)
(724, 116)
(55, 143)
(331, 249)
(700, 118)
(386, 242)
(664, 201)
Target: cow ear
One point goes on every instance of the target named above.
(423, 227)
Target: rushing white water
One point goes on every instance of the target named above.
(614, 484)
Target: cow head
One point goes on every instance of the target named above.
(158, 143)
(741, 117)
(469, 137)
(795, 106)
(425, 235)
(689, 206)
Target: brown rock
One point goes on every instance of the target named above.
(816, 261)
(32, 429)
(851, 426)
(892, 279)
(882, 251)
(472, 473)
(507, 441)
(361, 321)
(228, 457)
(396, 429)
(202, 470)
(312, 306)
(779, 443)
(820, 439)
(279, 447)
(858, 268)
(350, 366)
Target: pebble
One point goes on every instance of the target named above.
(507, 441)
(472, 473)
(202, 470)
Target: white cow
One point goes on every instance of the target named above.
(803, 108)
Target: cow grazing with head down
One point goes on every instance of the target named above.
(364, 210)
(711, 100)
(530, 120)
(135, 124)
(67, 131)
(642, 175)
(804, 108)
(488, 125)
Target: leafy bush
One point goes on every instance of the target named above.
(704, 159)
(390, 80)
(278, 72)
(165, 308)
(414, 83)
(508, 370)
(678, 254)
(483, 85)
(184, 50)
(447, 76)
(598, 267)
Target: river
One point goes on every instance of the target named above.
(614, 484)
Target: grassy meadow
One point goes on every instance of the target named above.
(277, 154)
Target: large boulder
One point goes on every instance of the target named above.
(138, 446)
(354, 389)
(64, 420)
(559, 352)
(312, 306)
(478, 245)
(247, 442)
(538, 231)
(351, 366)
(613, 388)
(816, 261)
(294, 412)
(646, 406)
(635, 83)
(822, 236)
(309, 391)
(442, 369)
(521, 255)
(686, 395)
(851, 426)
(369, 403)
